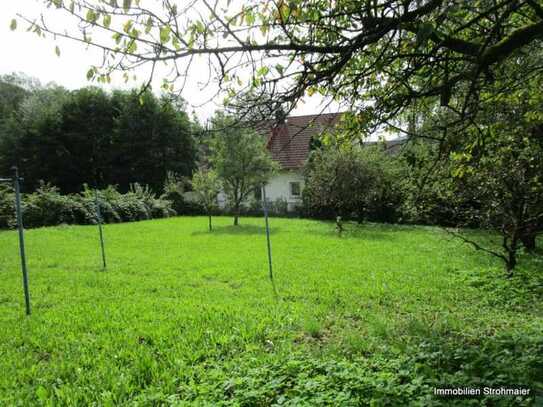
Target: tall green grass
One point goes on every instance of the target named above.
(380, 315)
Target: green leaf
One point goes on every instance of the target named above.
(57, 51)
(200, 28)
(132, 47)
(127, 26)
(126, 5)
(90, 74)
(42, 394)
(149, 25)
(176, 44)
(284, 12)
(249, 17)
(164, 34)
(91, 16)
(13, 25)
(262, 71)
(107, 20)
(117, 37)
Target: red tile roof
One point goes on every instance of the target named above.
(289, 142)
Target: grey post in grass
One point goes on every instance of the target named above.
(21, 238)
(99, 220)
(265, 206)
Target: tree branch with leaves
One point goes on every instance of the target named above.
(374, 57)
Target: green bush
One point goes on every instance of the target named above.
(130, 208)
(7, 207)
(254, 207)
(47, 207)
(174, 190)
(105, 198)
(279, 207)
(181, 206)
(355, 183)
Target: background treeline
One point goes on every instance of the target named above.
(88, 136)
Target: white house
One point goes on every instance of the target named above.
(289, 142)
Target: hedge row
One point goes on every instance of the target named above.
(47, 207)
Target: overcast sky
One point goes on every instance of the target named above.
(24, 52)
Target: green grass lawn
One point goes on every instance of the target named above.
(182, 316)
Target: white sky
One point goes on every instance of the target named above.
(23, 51)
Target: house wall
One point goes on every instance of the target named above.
(278, 187)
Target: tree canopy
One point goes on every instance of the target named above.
(70, 138)
(353, 182)
(378, 57)
(238, 155)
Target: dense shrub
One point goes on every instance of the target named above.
(7, 206)
(106, 198)
(182, 206)
(369, 183)
(279, 207)
(47, 207)
(174, 191)
(430, 196)
(353, 182)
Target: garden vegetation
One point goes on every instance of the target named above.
(182, 316)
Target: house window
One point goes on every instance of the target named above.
(295, 190)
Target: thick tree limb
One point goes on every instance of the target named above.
(517, 39)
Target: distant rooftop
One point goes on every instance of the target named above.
(289, 142)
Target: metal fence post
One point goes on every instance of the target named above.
(21, 238)
(265, 206)
(99, 219)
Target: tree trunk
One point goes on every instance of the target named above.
(511, 260)
(210, 226)
(339, 225)
(510, 263)
(236, 216)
